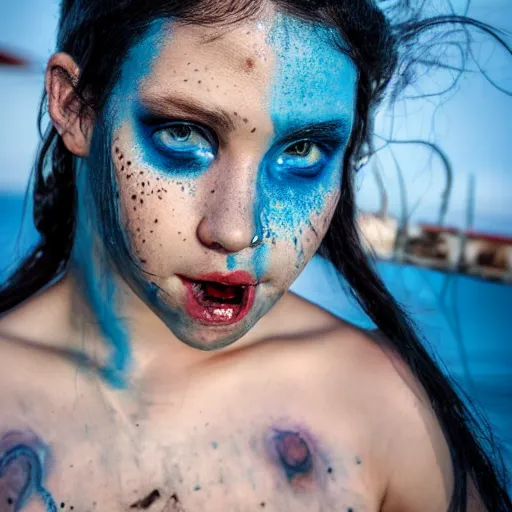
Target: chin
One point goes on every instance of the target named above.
(213, 336)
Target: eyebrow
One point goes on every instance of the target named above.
(326, 130)
(160, 105)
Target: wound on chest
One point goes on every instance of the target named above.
(294, 453)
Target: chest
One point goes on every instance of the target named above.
(236, 460)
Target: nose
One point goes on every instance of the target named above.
(231, 218)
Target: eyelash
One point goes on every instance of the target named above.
(325, 140)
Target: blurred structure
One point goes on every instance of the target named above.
(435, 246)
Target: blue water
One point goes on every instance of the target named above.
(464, 320)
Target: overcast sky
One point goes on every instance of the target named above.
(474, 127)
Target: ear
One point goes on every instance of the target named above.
(64, 107)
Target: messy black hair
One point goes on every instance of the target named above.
(385, 41)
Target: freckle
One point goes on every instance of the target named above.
(253, 130)
(160, 197)
(141, 172)
(188, 63)
(199, 81)
(117, 150)
(122, 168)
(196, 69)
(235, 113)
(134, 208)
(128, 176)
(212, 191)
(358, 460)
(329, 470)
(179, 232)
(142, 201)
(262, 504)
(250, 63)
(151, 231)
(206, 68)
(245, 120)
(128, 163)
(158, 179)
(120, 157)
(143, 261)
(143, 184)
(138, 230)
(156, 221)
(143, 241)
(134, 196)
(186, 80)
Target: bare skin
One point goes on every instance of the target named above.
(294, 410)
(202, 437)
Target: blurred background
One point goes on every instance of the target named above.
(437, 215)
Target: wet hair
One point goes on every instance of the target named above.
(384, 40)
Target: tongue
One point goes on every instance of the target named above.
(220, 291)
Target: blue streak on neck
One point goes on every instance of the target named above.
(94, 269)
(92, 260)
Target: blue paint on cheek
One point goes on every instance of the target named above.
(313, 82)
(146, 127)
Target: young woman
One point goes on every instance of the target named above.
(200, 153)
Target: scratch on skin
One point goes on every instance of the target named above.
(22, 458)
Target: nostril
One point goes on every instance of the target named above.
(217, 247)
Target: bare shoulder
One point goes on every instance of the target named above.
(392, 412)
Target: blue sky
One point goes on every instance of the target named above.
(474, 126)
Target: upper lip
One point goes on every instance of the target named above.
(237, 278)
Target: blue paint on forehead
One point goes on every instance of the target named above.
(314, 80)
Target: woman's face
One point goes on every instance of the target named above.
(219, 137)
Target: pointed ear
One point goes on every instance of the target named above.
(65, 108)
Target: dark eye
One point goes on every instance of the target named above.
(184, 138)
(301, 148)
(303, 154)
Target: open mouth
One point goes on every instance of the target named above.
(218, 303)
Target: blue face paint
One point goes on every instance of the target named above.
(312, 96)
(176, 149)
(231, 262)
(314, 86)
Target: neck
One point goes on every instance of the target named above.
(123, 340)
